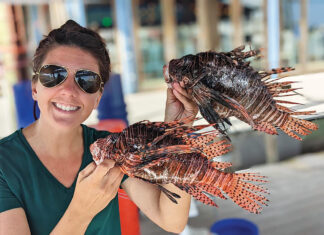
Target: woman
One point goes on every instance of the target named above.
(48, 181)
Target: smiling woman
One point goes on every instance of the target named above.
(65, 90)
(49, 183)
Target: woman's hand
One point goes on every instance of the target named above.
(96, 186)
(179, 104)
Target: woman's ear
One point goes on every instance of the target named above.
(97, 100)
(34, 91)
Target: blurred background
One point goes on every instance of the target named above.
(142, 36)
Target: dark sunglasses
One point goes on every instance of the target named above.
(54, 75)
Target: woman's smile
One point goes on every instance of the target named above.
(66, 108)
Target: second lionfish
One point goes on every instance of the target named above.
(224, 84)
(162, 153)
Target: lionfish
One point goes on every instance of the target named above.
(224, 84)
(170, 152)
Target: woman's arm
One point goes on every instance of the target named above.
(155, 204)
(158, 207)
(14, 222)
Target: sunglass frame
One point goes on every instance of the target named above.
(67, 70)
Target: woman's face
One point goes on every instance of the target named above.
(66, 105)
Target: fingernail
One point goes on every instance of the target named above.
(175, 85)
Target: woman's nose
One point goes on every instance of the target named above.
(69, 85)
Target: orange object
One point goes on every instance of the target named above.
(128, 211)
(129, 216)
(112, 125)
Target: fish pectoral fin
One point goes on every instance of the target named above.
(156, 156)
(197, 194)
(228, 102)
(173, 149)
(205, 97)
(152, 161)
(240, 108)
(212, 117)
(220, 98)
(158, 139)
(169, 194)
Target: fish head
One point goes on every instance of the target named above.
(180, 71)
(102, 148)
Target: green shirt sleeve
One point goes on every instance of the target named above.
(7, 199)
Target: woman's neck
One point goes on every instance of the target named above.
(60, 143)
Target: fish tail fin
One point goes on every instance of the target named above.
(294, 126)
(244, 194)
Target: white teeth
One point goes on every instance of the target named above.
(66, 107)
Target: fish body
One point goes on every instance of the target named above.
(225, 85)
(162, 153)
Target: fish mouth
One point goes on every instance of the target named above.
(96, 153)
(168, 79)
(166, 74)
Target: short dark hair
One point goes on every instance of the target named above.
(73, 34)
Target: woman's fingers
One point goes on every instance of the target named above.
(96, 171)
(170, 96)
(108, 175)
(104, 167)
(182, 91)
(188, 104)
(113, 179)
(112, 175)
(182, 98)
(87, 171)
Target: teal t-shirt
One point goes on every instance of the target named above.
(26, 183)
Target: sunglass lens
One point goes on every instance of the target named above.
(88, 81)
(52, 75)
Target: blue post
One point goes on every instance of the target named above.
(271, 142)
(76, 11)
(273, 33)
(124, 18)
(35, 21)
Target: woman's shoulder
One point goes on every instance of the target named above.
(13, 151)
(9, 137)
(6, 143)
